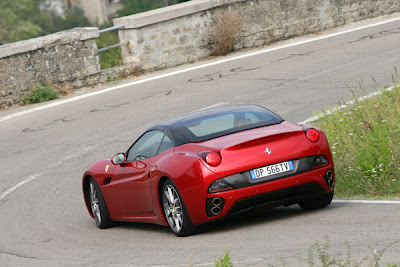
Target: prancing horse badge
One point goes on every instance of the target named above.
(267, 150)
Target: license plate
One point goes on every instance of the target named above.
(272, 169)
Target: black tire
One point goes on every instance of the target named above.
(98, 205)
(175, 211)
(317, 203)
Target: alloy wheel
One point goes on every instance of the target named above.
(173, 208)
(94, 202)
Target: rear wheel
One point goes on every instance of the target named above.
(317, 203)
(98, 206)
(175, 210)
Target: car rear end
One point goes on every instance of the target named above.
(268, 166)
(275, 170)
(272, 166)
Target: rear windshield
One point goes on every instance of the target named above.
(221, 123)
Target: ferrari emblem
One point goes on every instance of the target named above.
(267, 150)
(107, 166)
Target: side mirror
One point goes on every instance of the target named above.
(118, 159)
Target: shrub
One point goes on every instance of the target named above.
(40, 94)
(225, 32)
(223, 261)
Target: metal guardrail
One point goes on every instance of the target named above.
(119, 27)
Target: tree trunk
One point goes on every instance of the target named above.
(166, 2)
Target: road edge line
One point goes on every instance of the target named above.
(347, 104)
(366, 201)
(13, 188)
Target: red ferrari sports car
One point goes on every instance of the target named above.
(206, 165)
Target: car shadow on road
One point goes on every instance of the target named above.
(237, 221)
(260, 217)
(144, 227)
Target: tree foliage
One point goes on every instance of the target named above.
(138, 6)
(24, 19)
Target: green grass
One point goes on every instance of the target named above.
(365, 143)
(40, 94)
(224, 260)
(320, 254)
(112, 57)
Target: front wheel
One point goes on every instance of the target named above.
(317, 203)
(98, 206)
(175, 210)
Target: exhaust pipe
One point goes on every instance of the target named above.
(214, 206)
(329, 178)
(217, 201)
(216, 210)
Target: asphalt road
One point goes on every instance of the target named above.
(44, 153)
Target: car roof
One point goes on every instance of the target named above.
(179, 138)
(206, 112)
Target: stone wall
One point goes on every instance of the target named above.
(180, 34)
(64, 58)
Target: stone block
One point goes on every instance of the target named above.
(164, 34)
(172, 41)
(176, 31)
(153, 37)
(163, 14)
(183, 39)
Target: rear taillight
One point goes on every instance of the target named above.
(320, 161)
(312, 134)
(219, 185)
(211, 157)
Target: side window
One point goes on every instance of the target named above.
(165, 145)
(146, 147)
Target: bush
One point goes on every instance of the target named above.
(225, 32)
(40, 94)
(224, 260)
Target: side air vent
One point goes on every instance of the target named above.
(107, 180)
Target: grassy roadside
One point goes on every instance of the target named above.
(365, 143)
(320, 254)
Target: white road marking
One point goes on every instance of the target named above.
(364, 201)
(73, 99)
(211, 264)
(33, 177)
(349, 103)
(11, 189)
(77, 154)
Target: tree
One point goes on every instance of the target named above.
(24, 19)
(14, 22)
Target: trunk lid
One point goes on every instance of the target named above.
(260, 147)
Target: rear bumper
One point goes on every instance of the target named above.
(281, 192)
(283, 197)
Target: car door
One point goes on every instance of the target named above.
(131, 182)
